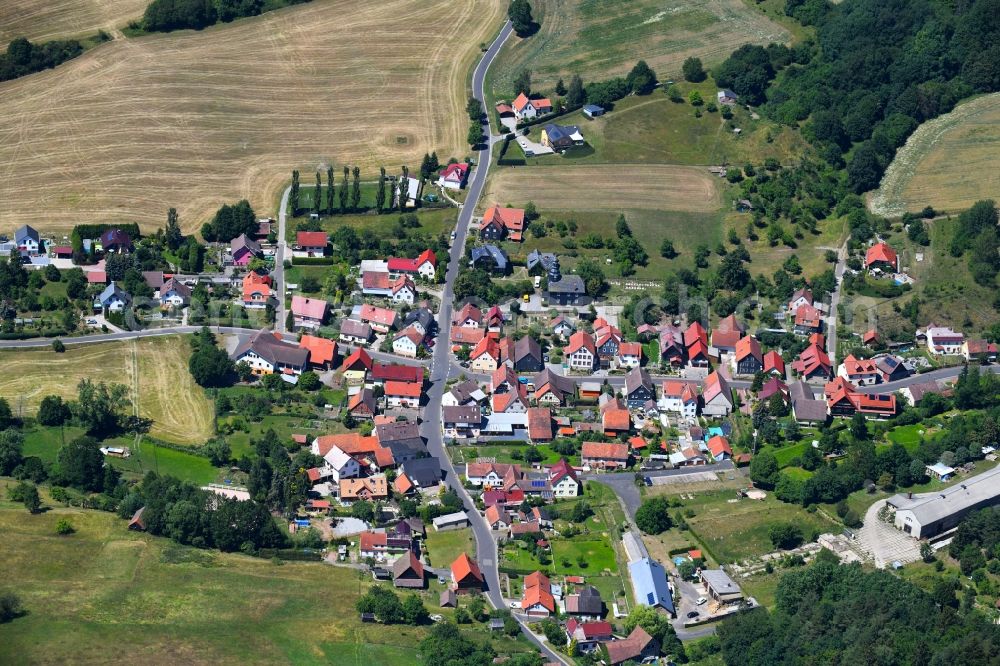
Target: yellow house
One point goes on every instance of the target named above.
(485, 356)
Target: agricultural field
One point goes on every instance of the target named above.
(61, 19)
(676, 202)
(949, 162)
(732, 529)
(105, 586)
(197, 119)
(155, 369)
(598, 40)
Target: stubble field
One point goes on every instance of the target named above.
(42, 20)
(948, 163)
(167, 394)
(598, 40)
(196, 119)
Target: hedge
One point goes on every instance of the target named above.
(313, 261)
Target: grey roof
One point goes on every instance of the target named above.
(805, 406)
(546, 259)
(637, 377)
(462, 414)
(114, 237)
(888, 364)
(928, 508)
(423, 316)
(558, 132)
(355, 328)
(588, 602)
(649, 582)
(173, 284)
(591, 108)
(463, 391)
(402, 438)
(491, 252)
(153, 278)
(570, 284)
(561, 383)
(26, 231)
(111, 291)
(242, 241)
(527, 346)
(720, 581)
(423, 471)
(271, 349)
(918, 391)
(450, 518)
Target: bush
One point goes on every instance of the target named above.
(64, 527)
(652, 516)
(785, 535)
(10, 606)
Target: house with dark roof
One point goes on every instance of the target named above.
(540, 263)
(112, 299)
(116, 241)
(499, 223)
(570, 290)
(561, 137)
(489, 258)
(528, 355)
(805, 407)
(585, 604)
(425, 472)
(266, 353)
(27, 240)
(636, 648)
(243, 249)
(408, 572)
(356, 332)
(638, 388)
(420, 319)
(174, 294)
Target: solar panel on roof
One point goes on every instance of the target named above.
(538, 484)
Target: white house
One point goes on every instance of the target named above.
(404, 291)
(629, 355)
(581, 354)
(113, 298)
(563, 480)
(339, 465)
(174, 294)
(679, 398)
(26, 238)
(406, 343)
(525, 109)
(944, 341)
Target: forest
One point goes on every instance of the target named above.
(830, 614)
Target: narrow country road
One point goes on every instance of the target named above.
(831, 322)
(279, 264)
(431, 429)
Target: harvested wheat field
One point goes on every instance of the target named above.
(948, 163)
(598, 40)
(196, 119)
(167, 394)
(607, 188)
(42, 20)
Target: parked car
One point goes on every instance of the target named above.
(453, 234)
(693, 614)
(701, 600)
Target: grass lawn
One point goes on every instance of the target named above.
(105, 586)
(797, 473)
(44, 442)
(444, 547)
(283, 425)
(185, 466)
(295, 274)
(503, 453)
(596, 554)
(761, 587)
(433, 222)
(910, 436)
(785, 454)
(733, 530)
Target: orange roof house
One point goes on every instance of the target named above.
(359, 360)
(881, 256)
(538, 600)
(598, 454)
(369, 488)
(402, 484)
(774, 364)
(499, 222)
(465, 574)
(719, 446)
(351, 443)
(256, 288)
(808, 319)
(322, 352)
(615, 419)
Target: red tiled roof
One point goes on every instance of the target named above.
(773, 361)
(351, 443)
(718, 445)
(748, 346)
(807, 316)
(617, 419)
(466, 336)
(384, 458)
(378, 315)
(97, 277)
(404, 389)
(311, 239)
(465, 566)
(402, 484)
(602, 451)
(313, 308)
(488, 346)
(539, 423)
(253, 282)
(459, 170)
(358, 356)
(395, 372)
(321, 350)
(372, 540)
(694, 333)
(511, 218)
(580, 340)
(880, 252)
(375, 280)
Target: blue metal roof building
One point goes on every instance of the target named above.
(649, 583)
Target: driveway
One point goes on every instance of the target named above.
(532, 148)
(884, 542)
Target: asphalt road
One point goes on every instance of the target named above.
(831, 326)
(279, 264)
(431, 428)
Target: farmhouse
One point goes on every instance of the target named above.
(860, 372)
(384, 372)
(355, 332)
(638, 647)
(454, 176)
(805, 407)
(526, 109)
(528, 355)
(339, 465)
(408, 572)
(727, 334)
(581, 353)
(402, 394)
(673, 351)
(424, 472)
(499, 223)
(586, 605)
(638, 388)
(561, 137)
(813, 363)
(403, 441)
(552, 388)
(696, 341)
(462, 422)
(361, 405)
(749, 359)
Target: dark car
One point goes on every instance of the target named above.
(648, 481)
(693, 614)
